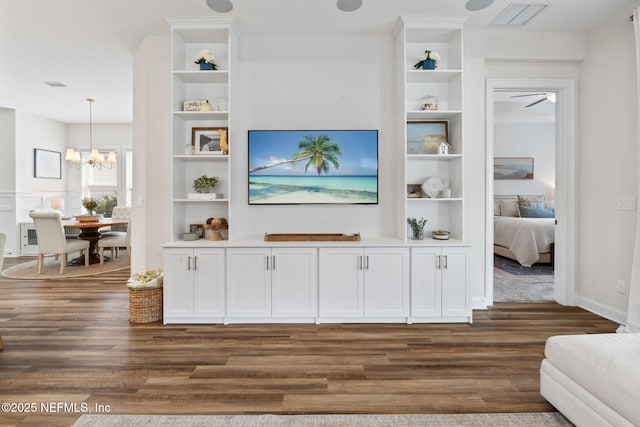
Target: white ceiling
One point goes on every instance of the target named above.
(88, 44)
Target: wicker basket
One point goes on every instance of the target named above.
(145, 304)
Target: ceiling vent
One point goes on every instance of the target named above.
(54, 83)
(517, 15)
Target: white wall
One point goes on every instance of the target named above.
(8, 146)
(151, 213)
(313, 82)
(536, 140)
(607, 165)
(37, 132)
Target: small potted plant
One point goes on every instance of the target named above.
(429, 62)
(204, 183)
(206, 60)
(417, 228)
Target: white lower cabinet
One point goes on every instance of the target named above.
(194, 285)
(363, 282)
(272, 283)
(440, 284)
(258, 284)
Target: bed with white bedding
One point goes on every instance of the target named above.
(526, 240)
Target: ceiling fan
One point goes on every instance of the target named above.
(546, 96)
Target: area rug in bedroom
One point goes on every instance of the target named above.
(514, 267)
(538, 419)
(524, 288)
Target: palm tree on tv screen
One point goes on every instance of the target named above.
(320, 151)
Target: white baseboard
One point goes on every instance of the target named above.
(608, 312)
(480, 303)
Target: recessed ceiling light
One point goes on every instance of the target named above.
(517, 15)
(478, 4)
(54, 83)
(349, 5)
(222, 6)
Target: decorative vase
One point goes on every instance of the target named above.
(206, 66)
(416, 233)
(428, 64)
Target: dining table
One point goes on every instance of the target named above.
(90, 230)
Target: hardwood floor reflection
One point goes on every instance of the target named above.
(70, 342)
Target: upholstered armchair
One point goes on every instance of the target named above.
(114, 241)
(52, 240)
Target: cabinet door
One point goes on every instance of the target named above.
(386, 282)
(341, 282)
(248, 282)
(178, 283)
(209, 282)
(426, 297)
(294, 282)
(456, 295)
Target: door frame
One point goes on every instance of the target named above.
(565, 207)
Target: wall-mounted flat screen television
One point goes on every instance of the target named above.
(288, 167)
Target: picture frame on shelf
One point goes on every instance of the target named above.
(414, 191)
(513, 168)
(210, 140)
(424, 137)
(198, 229)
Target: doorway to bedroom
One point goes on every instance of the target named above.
(524, 124)
(563, 190)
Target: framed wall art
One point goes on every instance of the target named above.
(425, 137)
(513, 168)
(47, 164)
(210, 140)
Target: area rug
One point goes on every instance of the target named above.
(514, 267)
(540, 419)
(524, 288)
(51, 269)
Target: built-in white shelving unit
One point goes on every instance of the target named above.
(376, 280)
(443, 35)
(189, 36)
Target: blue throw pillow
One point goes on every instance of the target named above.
(531, 212)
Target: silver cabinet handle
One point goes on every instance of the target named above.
(360, 263)
(437, 262)
(189, 262)
(273, 262)
(446, 262)
(267, 259)
(195, 262)
(367, 263)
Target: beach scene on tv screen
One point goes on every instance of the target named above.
(299, 167)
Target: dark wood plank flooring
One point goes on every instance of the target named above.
(70, 342)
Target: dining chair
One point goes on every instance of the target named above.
(119, 213)
(114, 241)
(52, 239)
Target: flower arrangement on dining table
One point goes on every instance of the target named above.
(90, 204)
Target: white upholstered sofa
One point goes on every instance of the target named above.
(593, 380)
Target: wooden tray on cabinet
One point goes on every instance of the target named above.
(311, 237)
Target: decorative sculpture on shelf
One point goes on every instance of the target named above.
(216, 225)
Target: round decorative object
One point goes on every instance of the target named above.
(433, 186)
(441, 235)
(87, 218)
(189, 236)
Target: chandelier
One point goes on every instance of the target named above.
(96, 159)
